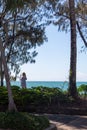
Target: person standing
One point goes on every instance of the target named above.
(23, 80)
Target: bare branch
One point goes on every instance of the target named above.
(81, 34)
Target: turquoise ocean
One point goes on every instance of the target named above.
(52, 84)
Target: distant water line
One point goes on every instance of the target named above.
(59, 84)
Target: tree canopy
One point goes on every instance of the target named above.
(21, 30)
(62, 18)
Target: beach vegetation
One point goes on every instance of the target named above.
(82, 89)
(31, 99)
(23, 27)
(71, 16)
(43, 99)
(17, 120)
(22, 121)
(19, 33)
(22, 31)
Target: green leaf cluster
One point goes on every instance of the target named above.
(35, 96)
(22, 121)
(82, 89)
(14, 4)
(21, 31)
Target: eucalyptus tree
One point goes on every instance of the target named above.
(72, 13)
(68, 13)
(78, 16)
(21, 30)
(66, 18)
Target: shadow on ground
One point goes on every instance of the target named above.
(68, 122)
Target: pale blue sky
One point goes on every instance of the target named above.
(53, 59)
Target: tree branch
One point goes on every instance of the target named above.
(81, 34)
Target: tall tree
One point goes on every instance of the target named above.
(73, 57)
(20, 31)
(67, 14)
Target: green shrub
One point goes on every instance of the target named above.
(3, 95)
(34, 97)
(22, 121)
(52, 95)
(82, 89)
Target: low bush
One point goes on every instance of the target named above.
(22, 121)
(82, 89)
(31, 99)
(3, 95)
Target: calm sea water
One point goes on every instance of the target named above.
(59, 84)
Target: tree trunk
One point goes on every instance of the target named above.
(11, 106)
(1, 71)
(73, 57)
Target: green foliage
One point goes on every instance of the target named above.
(3, 95)
(22, 121)
(14, 4)
(41, 96)
(35, 96)
(25, 30)
(82, 89)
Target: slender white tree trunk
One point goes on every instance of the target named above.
(11, 105)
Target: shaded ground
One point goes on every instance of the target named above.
(68, 122)
(73, 116)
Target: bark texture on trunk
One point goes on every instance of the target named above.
(73, 56)
(11, 106)
(1, 71)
